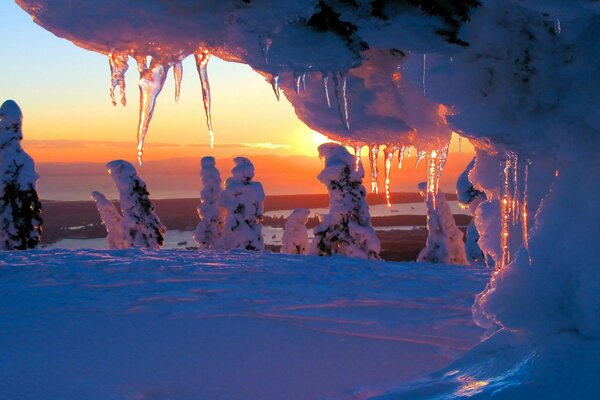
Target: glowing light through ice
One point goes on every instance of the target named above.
(373, 158)
(339, 81)
(178, 74)
(388, 153)
(357, 151)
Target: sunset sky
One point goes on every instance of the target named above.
(68, 115)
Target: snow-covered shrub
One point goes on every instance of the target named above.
(243, 200)
(295, 235)
(209, 231)
(470, 198)
(20, 207)
(141, 226)
(444, 241)
(346, 229)
(112, 220)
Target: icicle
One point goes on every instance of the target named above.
(408, 151)
(515, 189)
(304, 81)
(424, 72)
(151, 83)
(460, 145)
(389, 156)
(401, 156)
(119, 64)
(178, 74)
(326, 87)
(297, 82)
(274, 81)
(202, 57)
(339, 81)
(420, 157)
(524, 215)
(142, 63)
(506, 206)
(265, 45)
(357, 151)
(373, 157)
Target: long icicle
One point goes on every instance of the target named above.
(357, 151)
(326, 88)
(431, 172)
(421, 155)
(202, 57)
(388, 153)
(119, 64)
(339, 81)
(506, 203)
(373, 161)
(297, 82)
(524, 214)
(401, 156)
(178, 74)
(151, 83)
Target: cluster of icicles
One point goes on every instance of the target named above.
(152, 80)
(436, 160)
(153, 76)
(514, 206)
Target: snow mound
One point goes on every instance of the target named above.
(141, 324)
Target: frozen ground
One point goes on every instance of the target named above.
(186, 325)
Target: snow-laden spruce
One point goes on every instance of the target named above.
(295, 235)
(112, 220)
(209, 231)
(141, 226)
(20, 207)
(470, 198)
(444, 241)
(346, 229)
(243, 201)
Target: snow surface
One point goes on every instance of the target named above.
(140, 324)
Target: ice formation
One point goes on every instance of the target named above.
(140, 224)
(20, 207)
(209, 232)
(243, 201)
(470, 198)
(112, 220)
(295, 235)
(346, 229)
(445, 241)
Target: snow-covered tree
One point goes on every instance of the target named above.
(209, 232)
(141, 226)
(471, 198)
(295, 235)
(347, 228)
(444, 241)
(243, 201)
(112, 220)
(20, 207)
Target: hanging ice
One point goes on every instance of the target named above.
(423, 83)
(202, 57)
(274, 81)
(265, 45)
(388, 153)
(326, 88)
(557, 27)
(524, 215)
(151, 82)
(119, 64)
(339, 81)
(297, 82)
(357, 151)
(436, 161)
(373, 158)
(401, 156)
(178, 74)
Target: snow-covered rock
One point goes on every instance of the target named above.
(112, 220)
(444, 241)
(140, 224)
(209, 232)
(346, 229)
(295, 234)
(243, 201)
(20, 207)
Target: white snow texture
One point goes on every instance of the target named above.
(209, 232)
(295, 234)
